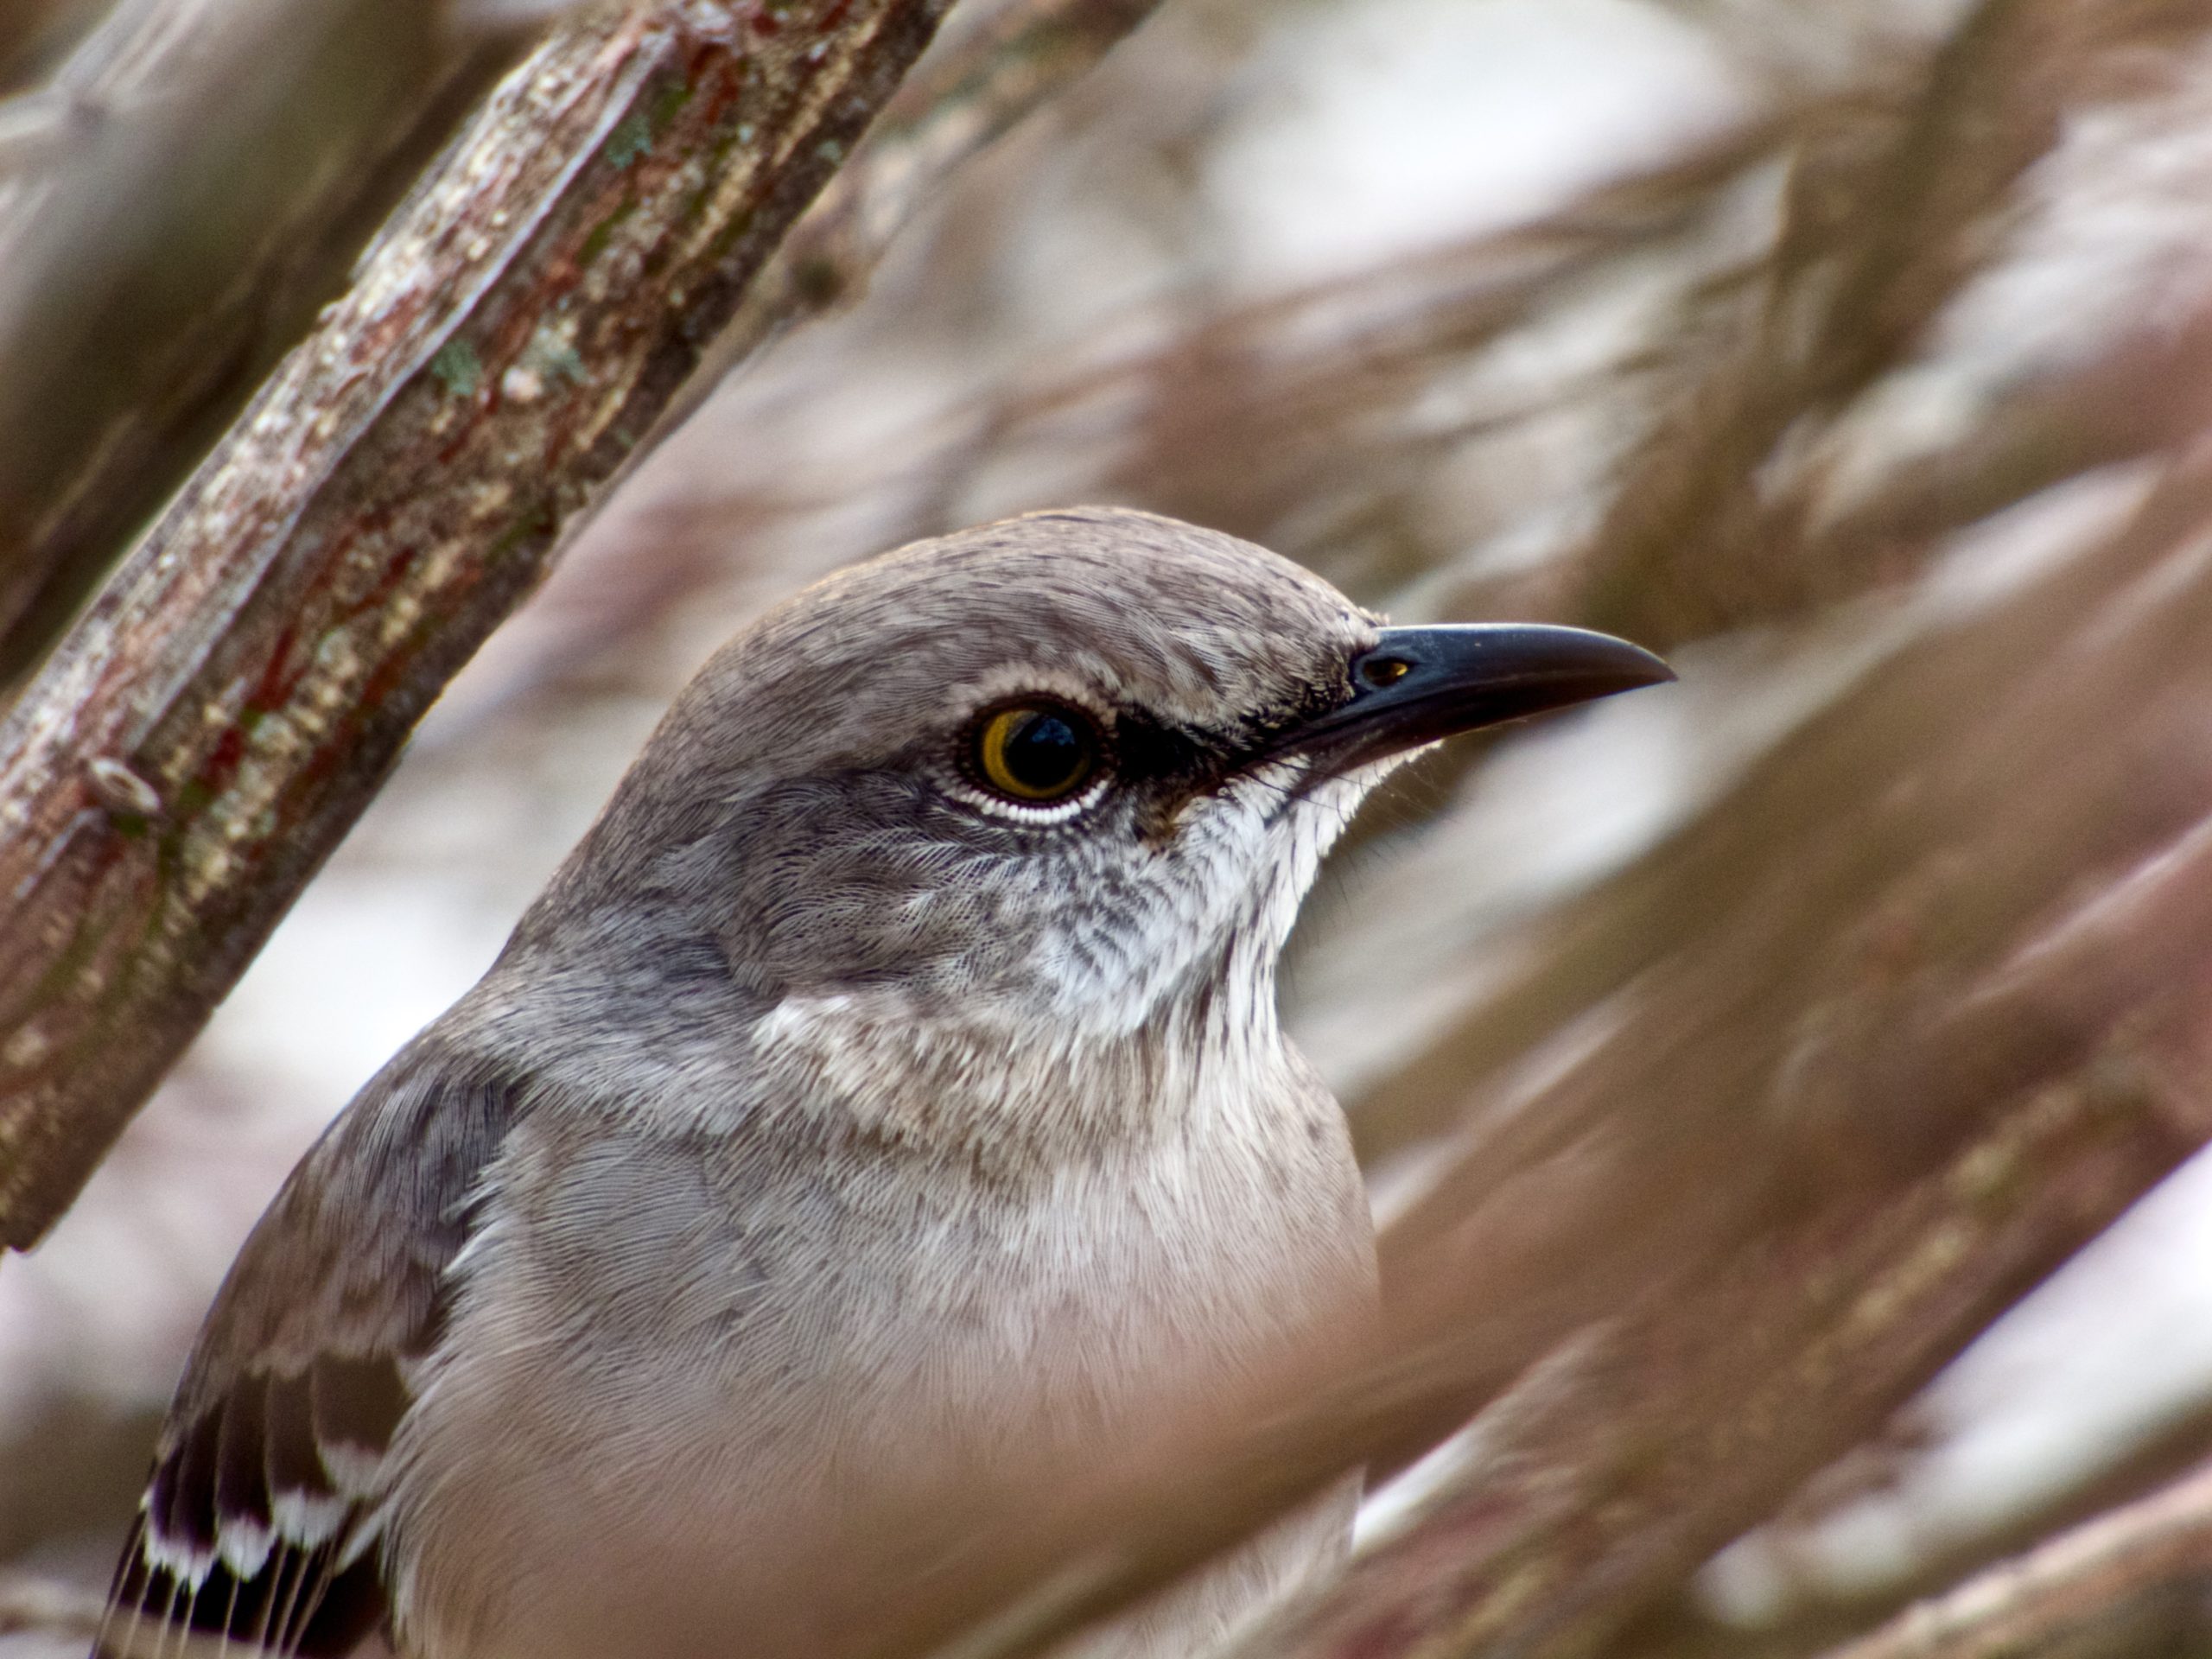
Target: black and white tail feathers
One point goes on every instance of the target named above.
(257, 1530)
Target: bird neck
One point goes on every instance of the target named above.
(1000, 1085)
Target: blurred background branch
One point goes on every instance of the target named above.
(2037, 1604)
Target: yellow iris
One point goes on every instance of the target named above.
(1037, 752)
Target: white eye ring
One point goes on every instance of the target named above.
(1042, 813)
(985, 777)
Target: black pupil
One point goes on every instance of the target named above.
(1045, 751)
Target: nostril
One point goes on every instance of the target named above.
(1384, 671)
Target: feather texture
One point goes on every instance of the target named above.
(260, 1522)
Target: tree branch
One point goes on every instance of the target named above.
(1877, 240)
(2029, 1605)
(954, 107)
(198, 746)
(182, 194)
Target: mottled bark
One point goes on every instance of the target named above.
(193, 752)
(182, 193)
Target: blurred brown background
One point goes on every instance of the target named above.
(1852, 354)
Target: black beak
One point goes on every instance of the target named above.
(1418, 684)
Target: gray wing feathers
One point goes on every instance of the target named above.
(259, 1521)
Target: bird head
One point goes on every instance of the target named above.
(1069, 773)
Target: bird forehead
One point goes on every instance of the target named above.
(1114, 604)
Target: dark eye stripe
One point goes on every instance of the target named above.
(1145, 749)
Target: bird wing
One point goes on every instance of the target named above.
(259, 1521)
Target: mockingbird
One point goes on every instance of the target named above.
(882, 1107)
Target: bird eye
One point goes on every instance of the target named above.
(1037, 752)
